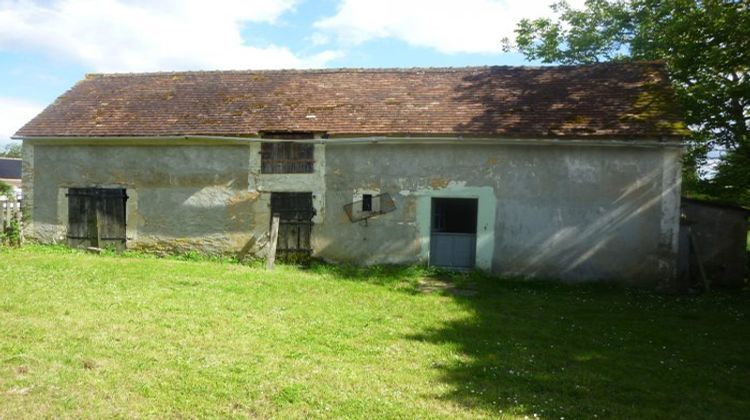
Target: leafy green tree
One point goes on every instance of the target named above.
(706, 48)
(5, 189)
(12, 150)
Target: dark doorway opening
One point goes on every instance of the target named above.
(454, 215)
(295, 211)
(454, 232)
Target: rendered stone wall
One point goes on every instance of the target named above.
(180, 198)
(558, 212)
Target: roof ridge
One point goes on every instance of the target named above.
(436, 69)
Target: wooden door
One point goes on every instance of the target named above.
(295, 211)
(96, 217)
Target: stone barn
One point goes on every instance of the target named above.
(568, 173)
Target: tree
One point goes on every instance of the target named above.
(12, 150)
(706, 48)
(5, 190)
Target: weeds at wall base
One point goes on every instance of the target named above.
(11, 235)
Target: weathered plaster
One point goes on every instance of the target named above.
(180, 198)
(582, 212)
(572, 213)
(671, 184)
(27, 184)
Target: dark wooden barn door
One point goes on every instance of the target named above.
(96, 217)
(295, 211)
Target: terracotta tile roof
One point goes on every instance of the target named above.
(623, 100)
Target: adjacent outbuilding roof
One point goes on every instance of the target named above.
(612, 100)
(10, 168)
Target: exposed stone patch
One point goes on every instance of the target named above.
(438, 183)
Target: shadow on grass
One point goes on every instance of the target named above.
(587, 351)
(400, 277)
(574, 351)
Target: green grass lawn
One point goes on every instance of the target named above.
(103, 336)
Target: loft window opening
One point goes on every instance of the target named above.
(282, 157)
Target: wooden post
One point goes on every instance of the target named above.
(8, 214)
(19, 219)
(272, 245)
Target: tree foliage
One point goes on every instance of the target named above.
(706, 47)
(5, 190)
(12, 150)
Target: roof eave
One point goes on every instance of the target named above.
(670, 142)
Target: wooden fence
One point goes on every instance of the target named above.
(10, 212)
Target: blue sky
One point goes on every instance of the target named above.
(46, 46)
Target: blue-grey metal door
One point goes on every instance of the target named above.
(453, 239)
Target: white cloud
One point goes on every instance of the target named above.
(318, 38)
(450, 26)
(145, 35)
(14, 113)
